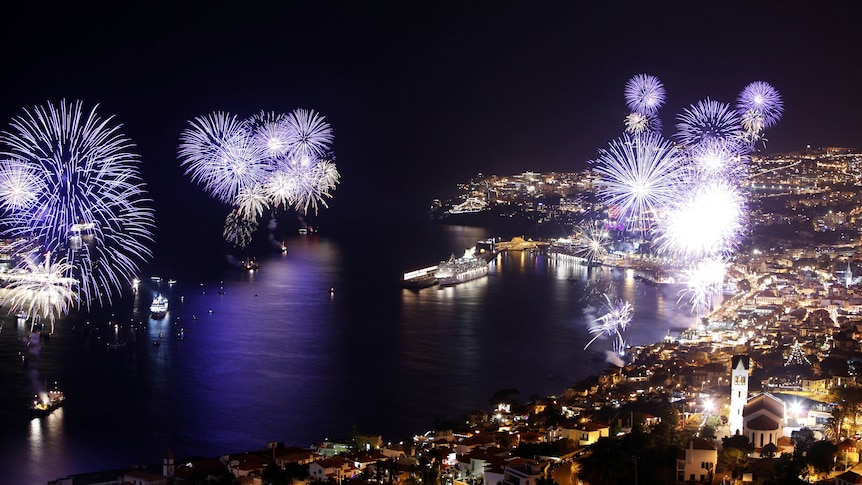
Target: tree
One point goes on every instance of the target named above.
(734, 454)
(802, 440)
(707, 433)
(821, 455)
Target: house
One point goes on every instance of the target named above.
(137, 477)
(697, 461)
(335, 468)
(520, 471)
(848, 478)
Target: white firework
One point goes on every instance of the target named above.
(309, 135)
(42, 290)
(637, 123)
(21, 185)
(640, 176)
(615, 320)
(706, 221)
(717, 159)
(251, 202)
(314, 179)
(593, 241)
(703, 282)
(219, 153)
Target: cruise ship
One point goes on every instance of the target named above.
(159, 307)
(458, 270)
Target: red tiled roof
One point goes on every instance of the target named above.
(762, 423)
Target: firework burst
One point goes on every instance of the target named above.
(762, 104)
(637, 123)
(703, 282)
(593, 241)
(717, 159)
(42, 290)
(219, 153)
(707, 120)
(309, 134)
(707, 220)
(90, 206)
(644, 94)
(640, 175)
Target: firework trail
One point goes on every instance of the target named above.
(703, 282)
(613, 322)
(70, 185)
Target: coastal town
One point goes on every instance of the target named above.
(762, 389)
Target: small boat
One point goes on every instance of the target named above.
(303, 230)
(159, 307)
(45, 406)
(157, 279)
(250, 265)
(172, 281)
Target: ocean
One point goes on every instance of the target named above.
(321, 342)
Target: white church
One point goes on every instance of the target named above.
(761, 418)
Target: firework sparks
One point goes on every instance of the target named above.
(90, 205)
(219, 153)
(644, 94)
(613, 322)
(593, 241)
(706, 221)
(42, 290)
(640, 175)
(238, 230)
(309, 134)
(637, 123)
(761, 102)
(707, 120)
(703, 282)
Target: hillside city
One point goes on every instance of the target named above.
(763, 389)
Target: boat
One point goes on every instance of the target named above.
(159, 307)
(47, 405)
(172, 281)
(420, 278)
(250, 265)
(458, 270)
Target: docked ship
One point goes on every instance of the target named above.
(458, 270)
(159, 308)
(44, 407)
(420, 278)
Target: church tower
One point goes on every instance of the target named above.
(168, 464)
(739, 370)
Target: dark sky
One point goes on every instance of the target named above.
(422, 95)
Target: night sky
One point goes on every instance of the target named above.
(422, 95)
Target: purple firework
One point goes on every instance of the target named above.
(644, 94)
(219, 152)
(71, 186)
(708, 120)
(762, 102)
(637, 123)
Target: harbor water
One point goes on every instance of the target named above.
(319, 342)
